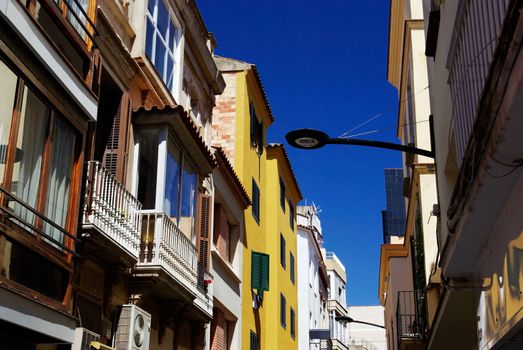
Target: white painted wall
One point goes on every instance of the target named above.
(311, 315)
(368, 337)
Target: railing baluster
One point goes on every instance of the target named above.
(108, 208)
(477, 37)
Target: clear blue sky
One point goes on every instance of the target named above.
(323, 65)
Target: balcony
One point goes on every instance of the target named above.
(168, 257)
(69, 27)
(476, 36)
(411, 320)
(112, 214)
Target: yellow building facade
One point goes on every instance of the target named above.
(269, 297)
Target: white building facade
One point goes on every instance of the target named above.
(361, 336)
(312, 278)
(336, 303)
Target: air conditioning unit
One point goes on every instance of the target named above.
(134, 329)
(83, 338)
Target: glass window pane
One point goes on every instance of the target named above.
(149, 39)
(162, 19)
(7, 101)
(172, 36)
(172, 182)
(32, 134)
(160, 57)
(170, 66)
(150, 7)
(31, 138)
(147, 168)
(62, 161)
(188, 200)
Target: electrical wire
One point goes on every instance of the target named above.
(347, 134)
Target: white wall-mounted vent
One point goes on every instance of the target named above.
(134, 329)
(82, 338)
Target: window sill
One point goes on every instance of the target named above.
(225, 264)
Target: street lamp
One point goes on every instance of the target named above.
(312, 139)
(348, 319)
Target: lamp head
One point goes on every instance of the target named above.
(307, 138)
(344, 319)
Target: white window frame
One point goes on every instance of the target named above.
(178, 47)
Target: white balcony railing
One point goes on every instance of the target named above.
(476, 35)
(164, 245)
(111, 208)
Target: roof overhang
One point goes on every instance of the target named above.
(186, 132)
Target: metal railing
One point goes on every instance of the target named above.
(411, 315)
(476, 35)
(111, 208)
(39, 225)
(164, 244)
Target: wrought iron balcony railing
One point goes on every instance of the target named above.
(15, 211)
(411, 315)
(111, 208)
(476, 35)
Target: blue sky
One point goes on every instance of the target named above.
(323, 65)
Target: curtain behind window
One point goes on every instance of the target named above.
(34, 127)
(7, 100)
(57, 199)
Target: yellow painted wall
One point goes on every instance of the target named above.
(278, 222)
(263, 236)
(249, 165)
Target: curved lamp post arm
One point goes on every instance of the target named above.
(348, 319)
(312, 139)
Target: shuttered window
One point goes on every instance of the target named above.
(256, 131)
(203, 234)
(255, 343)
(115, 153)
(283, 311)
(260, 271)
(293, 323)
(282, 251)
(255, 201)
(291, 266)
(282, 194)
(291, 215)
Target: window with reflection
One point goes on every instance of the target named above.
(162, 40)
(38, 153)
(176, 171)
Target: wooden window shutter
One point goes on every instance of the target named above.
(283, 248)
(254, 342)
(259, 271)
(115, 154)
(204, 230)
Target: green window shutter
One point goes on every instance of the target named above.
(282, 194)
(283, 259)
(293, 323)
(291, 266)
(255, 201)
(259, 271)
(254, 341)
(283, 311)
(254, 121)
(291, 215)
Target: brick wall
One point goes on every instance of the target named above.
(224, 117)
(218, 331)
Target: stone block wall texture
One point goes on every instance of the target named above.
(224, 117)
(218, 330)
